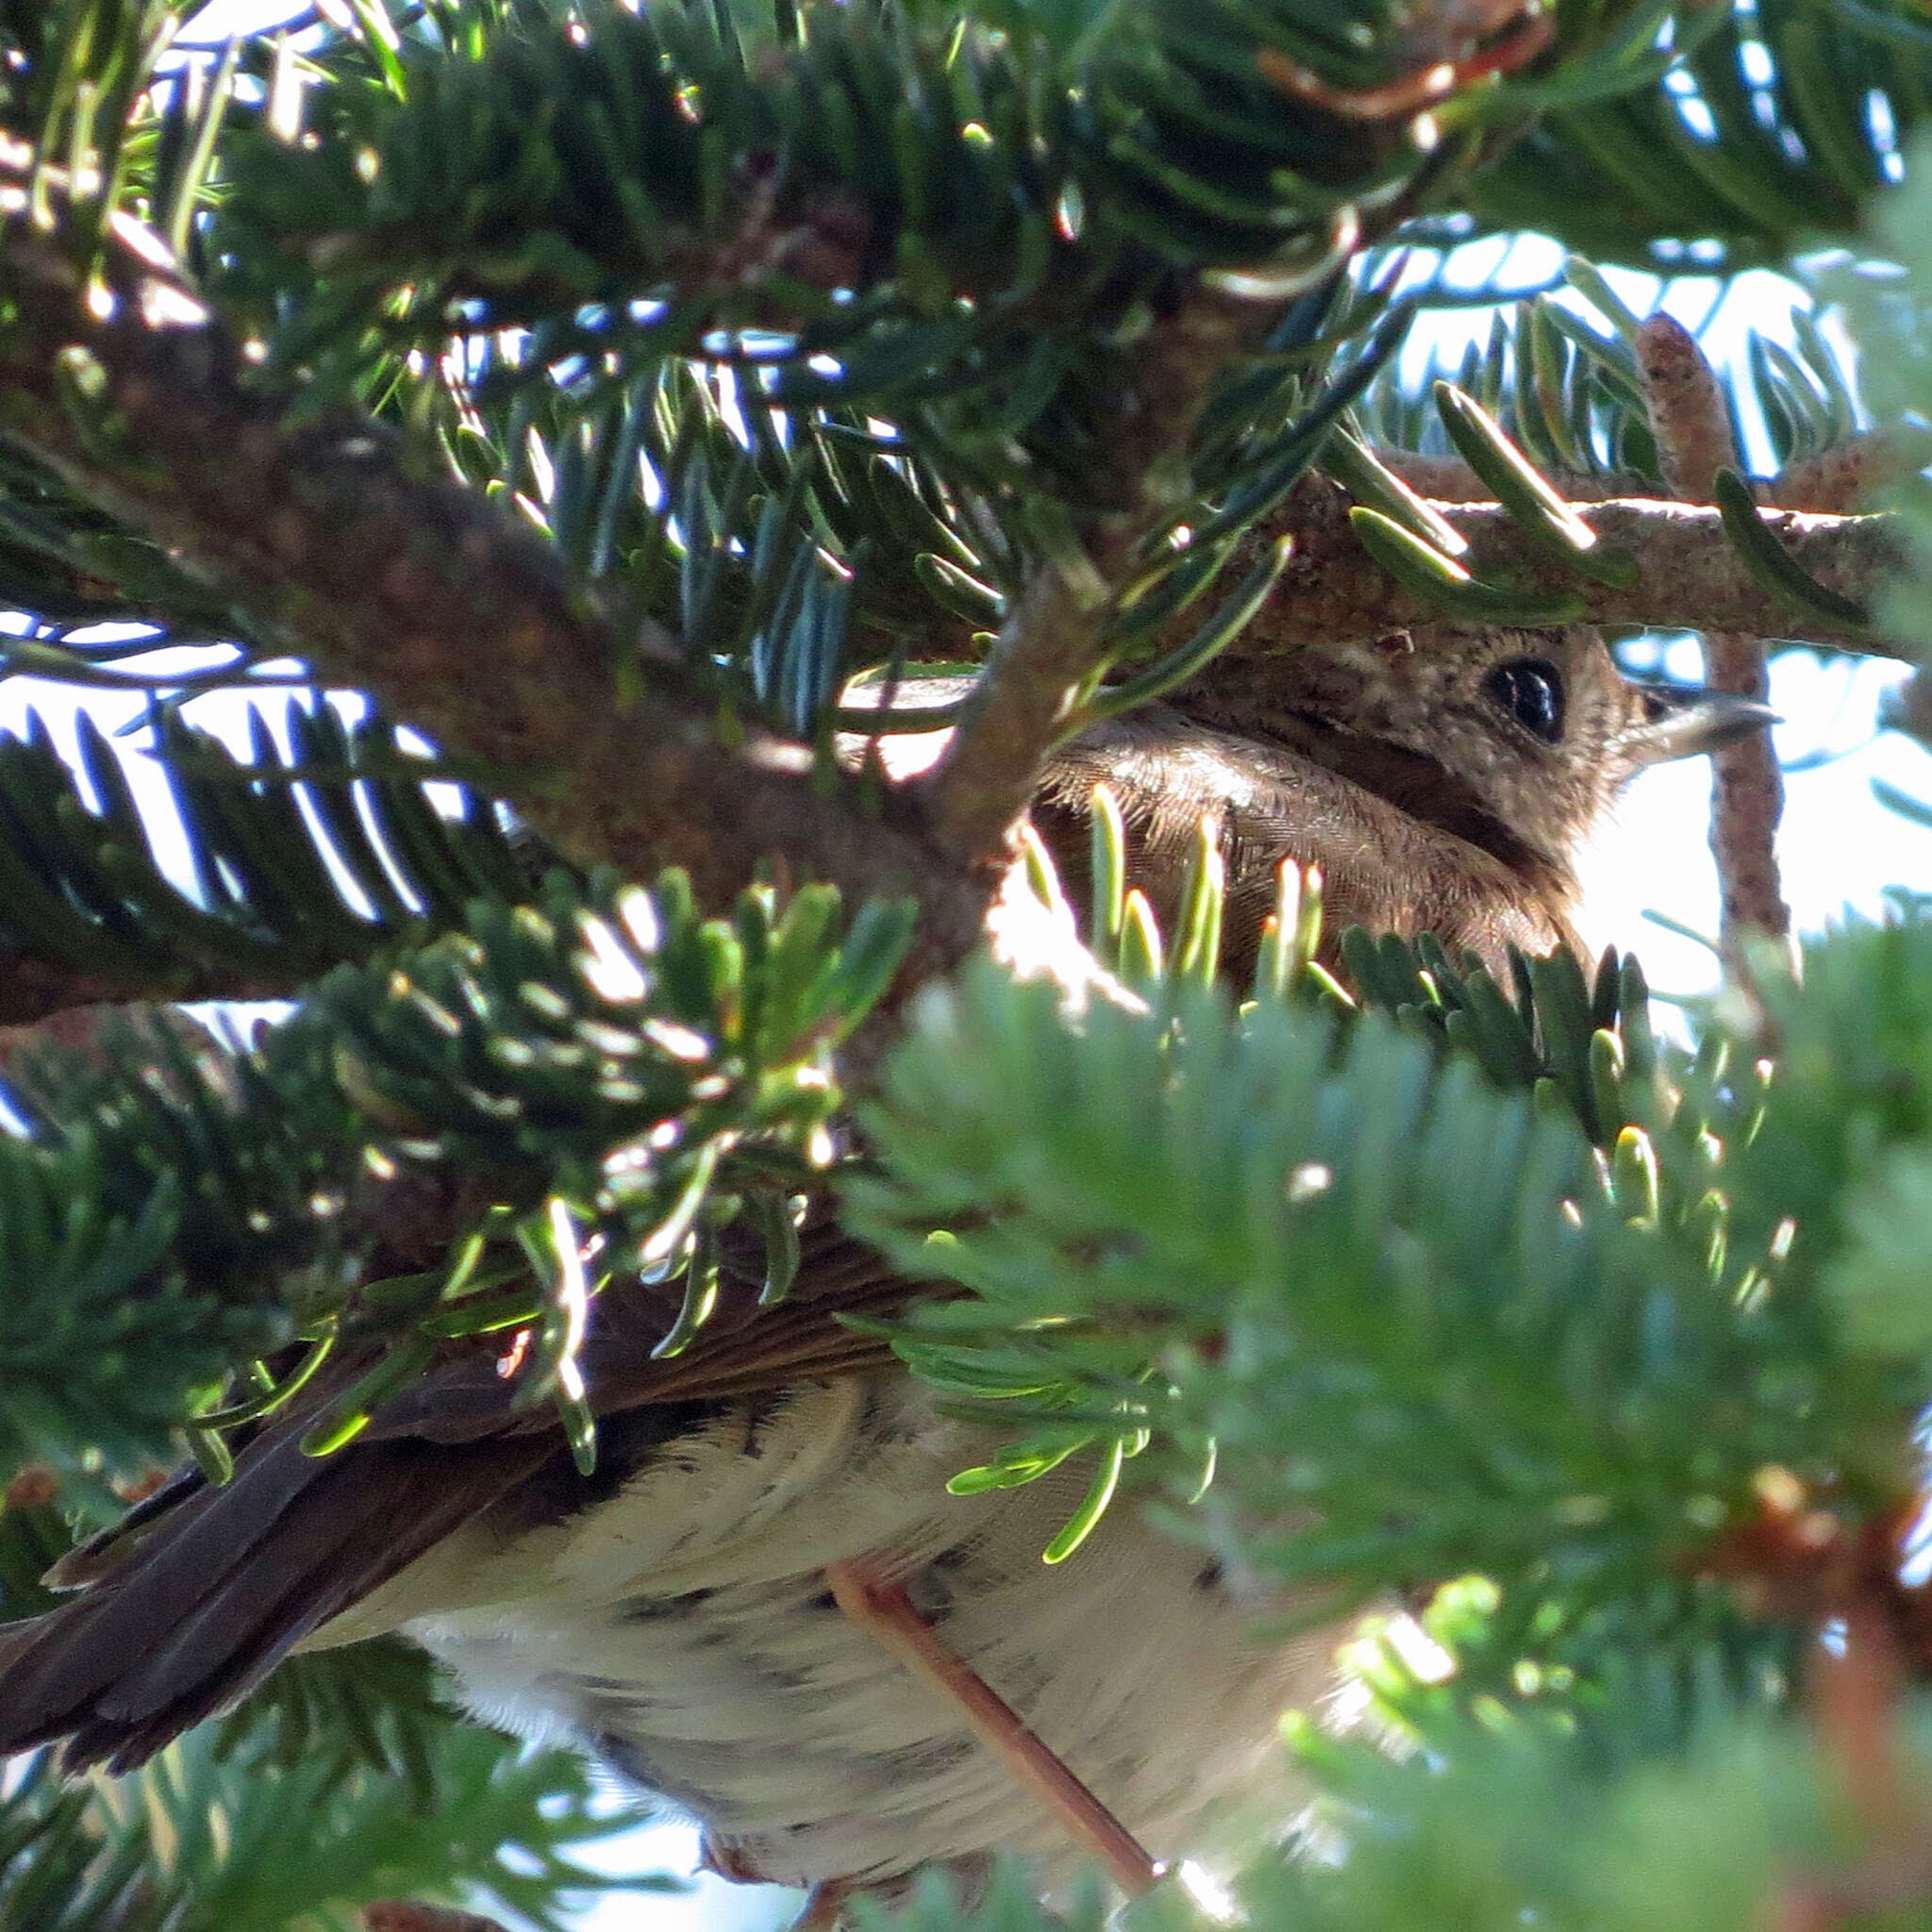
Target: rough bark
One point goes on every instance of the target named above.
(422, 594)
(1689, 578)
(1693, 429)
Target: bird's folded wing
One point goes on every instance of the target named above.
(209, 1591)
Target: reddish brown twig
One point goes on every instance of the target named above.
(824, 1905)
(1692, 427)
(1448, 46)
(1798, 1559)
(1855, 1690)
(1875, 1885)
(1685, 402)
(885, 1613)
(31, 1488)
(1844, 476)
(1747, 797)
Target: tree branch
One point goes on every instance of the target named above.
(1839, 479)
(1449, 480)
(1692, 427)
(1747, 798)
(385, 579)
(1690, 577)
(1685, 402)
(1052, 643)
(420, 593)
(1846, 475)
(33, 989)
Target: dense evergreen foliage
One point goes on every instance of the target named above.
(626, 401)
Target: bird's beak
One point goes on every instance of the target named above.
(1682, 720)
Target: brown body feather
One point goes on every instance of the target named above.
(1390, 767)
(1382, 867)
(197, 1600)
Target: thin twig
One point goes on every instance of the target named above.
(1855, 1689)
(1747, 796)
(33, 989)
(1693, 429)
(1685, 402)
(824, 1905)
(885, 1613)
(89, 1030)
(1874, 1886)
(1449, 480)
(1843, 477)
(32, 1488)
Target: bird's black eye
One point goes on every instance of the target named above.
(1531, 690)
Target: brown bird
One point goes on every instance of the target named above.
(763, 1605)
(1443, 781)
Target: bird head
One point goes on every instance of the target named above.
(1516, 741)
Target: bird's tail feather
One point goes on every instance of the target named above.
(198, 1616)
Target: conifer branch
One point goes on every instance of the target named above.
(85, 1029)
(1839, 480)
(1053, 643)
(35, 991)
(1449, 480)
(1843, 478)
(1747, 795)
(402, 586)
(1688, 577)
(1049, 644)
(1685, 402)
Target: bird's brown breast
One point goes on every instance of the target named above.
(1407, 854)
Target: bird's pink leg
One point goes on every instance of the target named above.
(884, 1611)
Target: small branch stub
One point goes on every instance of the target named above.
(1692, 427)
(1747, 795)
(1686, 405)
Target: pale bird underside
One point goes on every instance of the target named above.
(675, 1612)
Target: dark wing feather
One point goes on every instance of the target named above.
(210, 1602)
(220, 1583)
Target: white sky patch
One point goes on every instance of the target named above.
(1837, 847)
(711, 1905)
